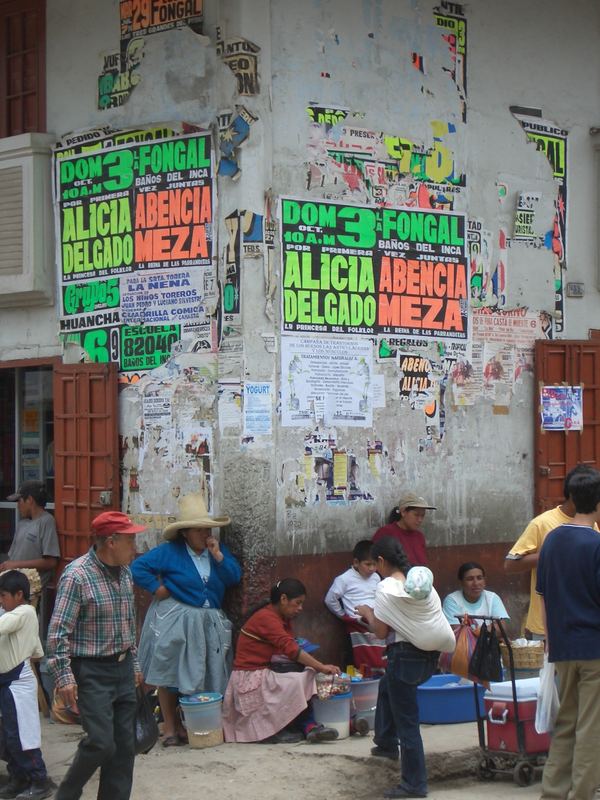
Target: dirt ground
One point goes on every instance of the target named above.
(340, 770)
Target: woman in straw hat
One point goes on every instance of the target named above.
(185, 645)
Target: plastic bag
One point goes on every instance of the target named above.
(485, 663)
(146, 727)
(458, 661)
(547, 699)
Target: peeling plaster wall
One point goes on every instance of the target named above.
(481, 475)
(356, 55)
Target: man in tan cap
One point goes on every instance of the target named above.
(93, 658)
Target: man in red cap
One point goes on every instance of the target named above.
(93, 657)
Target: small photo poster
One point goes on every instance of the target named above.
(562, 408)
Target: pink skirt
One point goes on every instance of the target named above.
(259, 703)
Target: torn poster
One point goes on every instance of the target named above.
(231, 139)
(142, 18)
(231, 355)
(450, 18)
(551, 140)
(119, 75)
(258, 408)
(480, 259)
(253, 237)
(330, 471)
(157, 409)
(232, 263)
(524, 227)
(230, 407)
(241, 56)
(378, 390)
(326, 379)
(562, 408)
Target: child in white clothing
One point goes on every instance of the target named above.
(21, 734)
(354, 587)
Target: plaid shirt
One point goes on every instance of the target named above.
(94, 616)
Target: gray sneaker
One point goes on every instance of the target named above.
(321, 734)
(37, 790)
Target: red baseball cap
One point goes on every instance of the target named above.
(110, 522)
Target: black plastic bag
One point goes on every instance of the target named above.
(485, 662)
(146, 727)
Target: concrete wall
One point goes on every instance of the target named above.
(362, 57)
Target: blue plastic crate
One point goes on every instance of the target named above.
(441, 700)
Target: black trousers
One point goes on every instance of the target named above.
(22, 764)
(107, 704)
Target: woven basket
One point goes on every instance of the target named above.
(529, 656)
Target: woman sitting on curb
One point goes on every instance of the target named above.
(263, 703)
(473, 598)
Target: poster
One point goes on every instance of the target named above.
(134, 218)
(230, 406)
(144, 17)
(363, 270)
(524, 227)
(562, 408)
(258, 409)
(551, 140)
(241, 56)
(326, 379)
(450, 18)
(232, 263)
(119, 75)
(173, 296)
(330, 471)
(157, 410)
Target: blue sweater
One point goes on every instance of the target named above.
(172, 563)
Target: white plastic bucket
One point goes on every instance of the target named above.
(203, 719)
(364, 699)
(334, 713)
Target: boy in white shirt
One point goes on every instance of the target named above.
(353, 588)
(21, 732)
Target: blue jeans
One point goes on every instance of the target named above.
(397, 713)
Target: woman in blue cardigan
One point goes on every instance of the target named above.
(185, 646)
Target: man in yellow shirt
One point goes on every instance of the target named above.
(523, 557)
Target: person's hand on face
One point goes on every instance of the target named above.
(212, 545)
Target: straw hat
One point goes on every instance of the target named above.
(193, 514)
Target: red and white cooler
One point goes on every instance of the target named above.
(501, 723)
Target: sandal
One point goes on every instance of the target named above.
(171, 741)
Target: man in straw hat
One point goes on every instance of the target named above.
(93, 658)
(185, 646)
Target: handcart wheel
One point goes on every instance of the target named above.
(524, 773)
(486, 769)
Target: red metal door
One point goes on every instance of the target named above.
(572, 363)
(86, 451)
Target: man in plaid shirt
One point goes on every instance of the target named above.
(93, 658)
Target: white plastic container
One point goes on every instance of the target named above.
(364, 699)
(334, 713)
(203, 719)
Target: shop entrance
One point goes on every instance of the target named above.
(59, 424)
